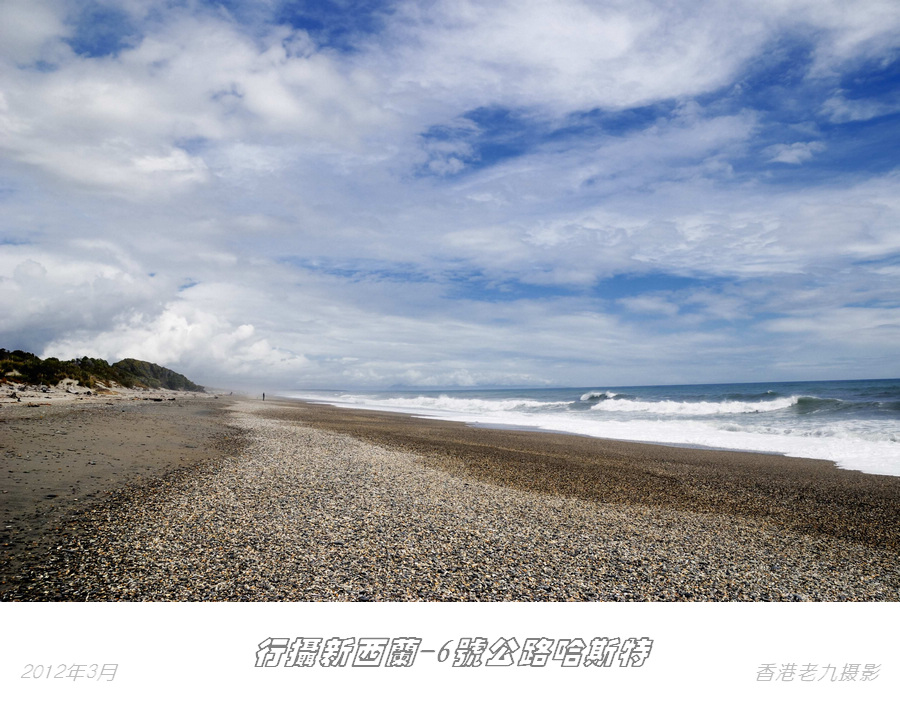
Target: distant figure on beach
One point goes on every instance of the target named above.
(264, 397)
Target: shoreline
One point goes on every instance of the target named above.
(499, 426)
(541, 430)
(852, 423)
(310, 502)
(759, 485)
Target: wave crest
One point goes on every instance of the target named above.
(598, 395)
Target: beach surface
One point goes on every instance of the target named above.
(63, 452)
(240, 500)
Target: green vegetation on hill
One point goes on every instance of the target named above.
(21, 366)
(155, 376)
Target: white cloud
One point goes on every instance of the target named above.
(650, 304)
(202, 344)
(572, 55)
(116, 122)
(795, 153)
(846, 327)
(688, 228)
(841, 110)
(30, 29)
(566, 56)
(78, 287)
(242, 203)
(849, 31)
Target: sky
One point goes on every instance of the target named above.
(282, 195)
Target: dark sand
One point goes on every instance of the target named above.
(805, 495)
(58, 459)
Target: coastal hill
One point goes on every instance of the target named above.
(24, 367)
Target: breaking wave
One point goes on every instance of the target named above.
(854, 423)
(695, 408)
(598, 395)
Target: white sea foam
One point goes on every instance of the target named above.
(671, 407)
(857, 444)
(447, 404)
(846, 446)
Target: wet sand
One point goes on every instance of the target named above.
(59, 456)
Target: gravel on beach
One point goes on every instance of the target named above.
(305, 513)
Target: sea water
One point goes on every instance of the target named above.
(855, 423)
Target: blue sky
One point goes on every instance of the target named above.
(452, 193)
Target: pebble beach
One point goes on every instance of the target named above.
(286, 501)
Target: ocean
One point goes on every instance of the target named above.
(855, 423)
